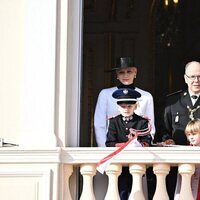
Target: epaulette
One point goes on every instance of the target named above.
(177, 92)
(111, 117)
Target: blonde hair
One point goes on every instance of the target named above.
(193, 126)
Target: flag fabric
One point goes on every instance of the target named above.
(105, 162)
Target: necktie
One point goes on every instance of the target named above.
(194, 97)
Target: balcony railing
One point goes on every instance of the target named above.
(138, 159)
(54, 170)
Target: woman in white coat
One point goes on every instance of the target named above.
(106, 107)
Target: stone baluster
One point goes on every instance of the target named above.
(68, 170)
(186, 171)
(137, 171)
(161, 170)
(113, 171)
(87, 171)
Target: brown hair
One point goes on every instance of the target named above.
(193, 126)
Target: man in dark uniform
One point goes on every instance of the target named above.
(181, 107)
(178, 112)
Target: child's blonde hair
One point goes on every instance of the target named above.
(193, 126)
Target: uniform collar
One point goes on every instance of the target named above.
(194, 98)
(194, 94)
(188, 101)
(127, 119)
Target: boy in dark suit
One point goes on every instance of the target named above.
(119, 131)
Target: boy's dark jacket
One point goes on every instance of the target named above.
(118, 130)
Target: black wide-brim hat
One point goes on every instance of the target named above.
(126, 95)
(123, 62)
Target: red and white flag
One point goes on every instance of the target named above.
(105, 162)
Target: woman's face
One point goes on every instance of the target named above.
(127, 75)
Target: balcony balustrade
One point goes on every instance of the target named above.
(138, 159)
(63, 164)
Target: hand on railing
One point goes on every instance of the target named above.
(166, 143)
(169, 142)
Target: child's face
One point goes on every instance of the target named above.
(127, 110)
(194, 138)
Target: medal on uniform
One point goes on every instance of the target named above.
(191, 111)
(176, 118)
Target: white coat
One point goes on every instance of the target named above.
(106, 108)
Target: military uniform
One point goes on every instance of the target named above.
(119, 130)
(120, 127)
(179, 111)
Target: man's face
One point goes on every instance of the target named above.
(127, 75)
(192, 77)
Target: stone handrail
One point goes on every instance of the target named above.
(138, 159)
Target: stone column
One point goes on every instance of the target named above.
(88, 171)
(186, 171)
(137, 171)
(113, 171)
(161, 170)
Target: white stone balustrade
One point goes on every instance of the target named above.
(186, 171)
(161, 170)
(138, 158)
(137, 171)
(68, 170)
(56, 170)
(88, 171)
(113, 171)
